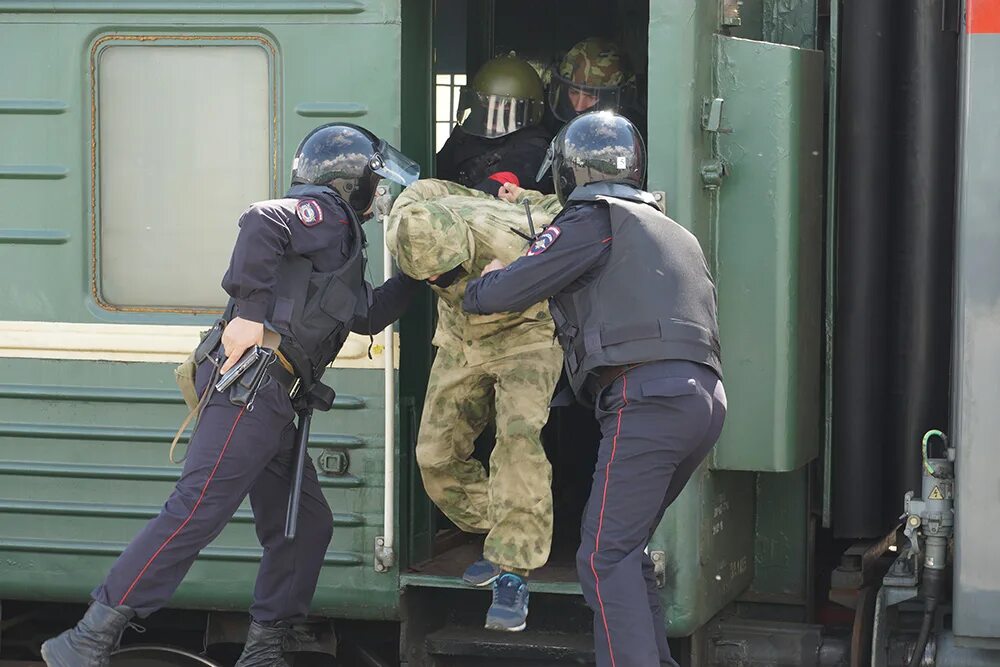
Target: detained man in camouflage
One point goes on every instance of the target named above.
(503, 366)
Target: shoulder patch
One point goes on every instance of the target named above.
(309, 212)
(544, 241)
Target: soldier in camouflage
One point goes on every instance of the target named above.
(593, 75)
(496, 365)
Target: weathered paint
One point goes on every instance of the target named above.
(768, 252)
(83, 449)
(976, 360)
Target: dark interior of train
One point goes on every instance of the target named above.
(466, 34)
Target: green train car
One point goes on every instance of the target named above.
(811, 145)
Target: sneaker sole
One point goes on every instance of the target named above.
(45, 658)
(482, 584)
(501, 628)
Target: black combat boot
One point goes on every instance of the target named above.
(93, 639)
(264, 646)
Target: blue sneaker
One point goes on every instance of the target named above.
(509, 611)
(481, 573)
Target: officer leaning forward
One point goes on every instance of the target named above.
(635, 310)
(291, 255)
(498, 138)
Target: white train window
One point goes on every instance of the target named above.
(185, 143)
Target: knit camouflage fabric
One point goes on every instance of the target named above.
(437, 225)
(500, 367)
(513, 504)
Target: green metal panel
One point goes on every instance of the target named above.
(830, 256)
(417, 326)
(707, 535)
(680, 66)
(769, 252)
(83, 444)
(781, 527)
(791, 22)
(707, 541)
(83, 466)
(45, 130)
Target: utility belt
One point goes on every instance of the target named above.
(601, 377)
(283, 374)
(248, 374)
(242, 382)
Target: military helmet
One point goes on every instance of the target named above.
(598, 146)
(506, 95)
(350, 160)
(593, 75)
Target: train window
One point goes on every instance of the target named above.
(185, 143)
(446, 90)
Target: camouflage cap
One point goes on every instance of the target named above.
(427, 240)
(595, 62)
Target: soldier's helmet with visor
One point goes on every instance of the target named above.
(350, 160)
(595, 147)
(506, 95)
(592, 76)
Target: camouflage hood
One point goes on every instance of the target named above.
(428, 240)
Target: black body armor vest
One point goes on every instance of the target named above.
(653, 300)
(313, 310)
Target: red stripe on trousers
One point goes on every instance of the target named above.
(189, 516)
(600, 520)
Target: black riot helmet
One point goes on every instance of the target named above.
(350, 160)
(598, 146)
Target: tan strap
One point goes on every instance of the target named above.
(195, 412)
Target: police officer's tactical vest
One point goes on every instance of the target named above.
(653, 300)
(311, 310)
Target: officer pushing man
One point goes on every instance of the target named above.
(500, 365)
(498, 138)
(297, 288)
(634, 306)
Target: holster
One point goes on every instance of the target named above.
(243, 390)
(184, 374)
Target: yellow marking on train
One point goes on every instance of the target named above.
(140, 343)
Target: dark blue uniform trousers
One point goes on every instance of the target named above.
(658, 422)
(233, 452)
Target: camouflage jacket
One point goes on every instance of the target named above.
(437, 225)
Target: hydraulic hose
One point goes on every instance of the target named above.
(932, 583)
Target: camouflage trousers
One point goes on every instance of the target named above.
(513, 504)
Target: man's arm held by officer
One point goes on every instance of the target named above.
(563, 253)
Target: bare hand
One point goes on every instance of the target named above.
(510, 192)
(238, 336)
(495, 265)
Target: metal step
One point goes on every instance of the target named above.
(532, 645)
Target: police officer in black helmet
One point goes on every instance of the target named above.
(635, 311)
(296, 282)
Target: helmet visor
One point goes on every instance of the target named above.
(550, 153)
(495, 115)
(568, 99)
(389, 163)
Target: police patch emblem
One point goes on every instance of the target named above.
(309, 212)
(544, 241)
